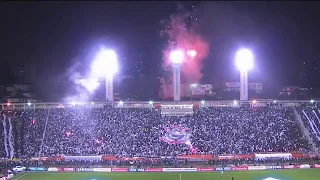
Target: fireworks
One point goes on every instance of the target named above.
(183, 34)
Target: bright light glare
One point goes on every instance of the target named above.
(90, 84)
(92, 103)
(202, 102)
(29, 104)
(193, 85)
(121, 102)
(104, 64)
(150, 102)
(235, 102)
(244, 60)
(192, 53)
(176, 57)
(73, 103)
(254, 101)
(275, 101)
(312, 101)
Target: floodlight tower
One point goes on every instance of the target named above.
(176, 57)
(244, 62)
(105, 66)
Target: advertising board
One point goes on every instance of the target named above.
(136, 170)
(303, 166)
(256, 167)
(85, 169)
(239, 168)
(316, 166)
(274, 167)
(101, 169)
(69, 169)
(53, 169)
(119, 169)
(180, 169)
(289, 167)
(37, 169)
(154, 170)
(223, 168)
(205, 169)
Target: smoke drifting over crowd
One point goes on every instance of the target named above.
(183, 34)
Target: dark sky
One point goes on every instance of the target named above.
(284, 37)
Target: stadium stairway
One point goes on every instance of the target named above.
(304, 130)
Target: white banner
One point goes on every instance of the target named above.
(270, 156)
(256, 167)
(180, 169)
(52, 169)
(101, 169)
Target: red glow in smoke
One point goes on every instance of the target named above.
(191, 43)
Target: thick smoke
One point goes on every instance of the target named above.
(84, 86)
(183, 33)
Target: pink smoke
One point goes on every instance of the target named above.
(187, 39)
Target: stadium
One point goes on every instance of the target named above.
(172, 137)
(134, 140)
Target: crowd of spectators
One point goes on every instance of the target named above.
(133, 132)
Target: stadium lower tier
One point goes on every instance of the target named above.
(124, 132)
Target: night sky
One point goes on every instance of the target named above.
(53, 37)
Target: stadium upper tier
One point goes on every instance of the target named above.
(128, 132)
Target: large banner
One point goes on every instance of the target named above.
(273, 156)
(176, 135)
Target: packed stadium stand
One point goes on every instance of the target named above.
(144, 132)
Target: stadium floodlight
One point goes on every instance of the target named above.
(121, 102)
(176, 58)
(312, 101)
(29, 103)
(235, 102)
(105, 65)
(150, 102)
(275, 101)
(202, 102)
(244, 61)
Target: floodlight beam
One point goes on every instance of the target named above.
(105, 66)
(176, 58)
(244, 62)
